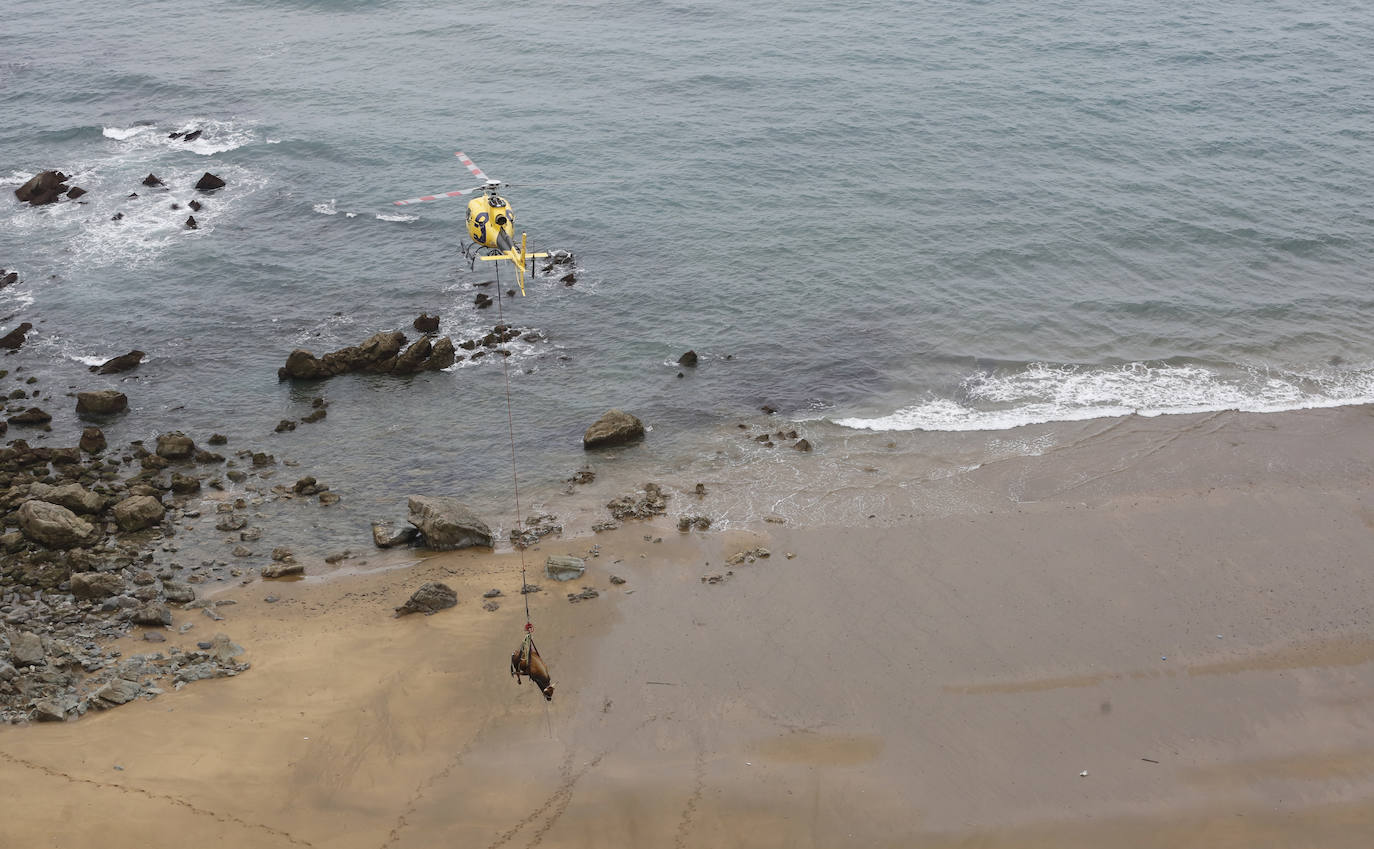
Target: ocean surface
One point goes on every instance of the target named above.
(915, 227)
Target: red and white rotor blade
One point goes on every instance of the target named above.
(441, 196)
(476, 172)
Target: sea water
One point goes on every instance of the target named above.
(889, 222)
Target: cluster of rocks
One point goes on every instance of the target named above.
(740, 558)
(86, 534)
(47, 187)
(319, 409)
(50, 186)
(770, 440)
(60, 679)
(381, 353)
(536, 528)
(653, 501)
(390, 352)
(78, 541)
(440, 523)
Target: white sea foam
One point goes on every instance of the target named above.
(216, 136)
(124, 134)
(327, 208)
(1044, 393)
(399, 216)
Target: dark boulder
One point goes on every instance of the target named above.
(191, 223)
(192, 136)
(427, 323)
(209, 183)
(31, 416)
(15, 337)
(42, 188)
(123, 362)
(688, 359)
(92, 440)
(151, 180)
(616, 427)
(8, 278)
(75, 192)
(101, 401)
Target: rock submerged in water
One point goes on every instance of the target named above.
(428, 599)
(616, 427)
(101, 402)
(123, 362)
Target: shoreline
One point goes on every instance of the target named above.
(1177, 608)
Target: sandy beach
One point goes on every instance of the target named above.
(1157, 637)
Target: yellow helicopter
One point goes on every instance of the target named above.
(491, 223)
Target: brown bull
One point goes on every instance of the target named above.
(526, 661)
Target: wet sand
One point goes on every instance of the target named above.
(1179, 607)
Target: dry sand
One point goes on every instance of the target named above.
(1177, 606)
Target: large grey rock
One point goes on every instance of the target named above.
(283, 569)
(53, 525)
(616, 427)
(563, 568)
(73, 496)
(430, 598)
(102, 402)
(152, 614)
(26, 649)
(96, 586)
(447, 523)
(178, 593)
(138, 512)
(119, 691)
(175, 446)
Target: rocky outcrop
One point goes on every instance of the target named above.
(381, 353)
(447, 523)
(616, 427)
(427, 323)
(209, 183)
(15, 337)
(428, 599)
(123, 362)
(43, 188)
(688, 359)
(101, 402)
